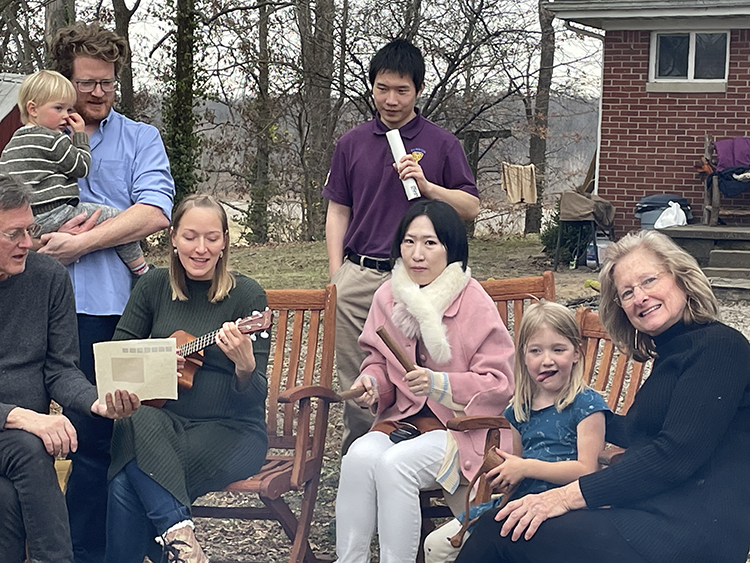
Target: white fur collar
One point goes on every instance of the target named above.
(418, 311)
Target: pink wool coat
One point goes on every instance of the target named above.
(480, 370)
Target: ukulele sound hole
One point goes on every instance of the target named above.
(128, 370)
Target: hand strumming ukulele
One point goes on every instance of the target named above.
(191, 348)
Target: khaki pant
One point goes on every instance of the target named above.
(355, 287)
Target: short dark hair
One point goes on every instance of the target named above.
(13, 194)
(402, 57)
(449, 228)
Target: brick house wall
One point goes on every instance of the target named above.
(651, 141)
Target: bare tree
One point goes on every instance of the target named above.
(179, 118)
(21, 36)
(293, 76)
(538, 117)
(58, 14)
(318, 113)
(123, 16)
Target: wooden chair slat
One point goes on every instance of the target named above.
(302, 352)
(609, 378)
(605, 363)
(278, 342)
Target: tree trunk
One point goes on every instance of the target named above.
(260, 191)
(58, 14)
(123, 15)
(538, 141)
(182, 143)
(317, 120)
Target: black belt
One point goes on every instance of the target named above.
(379, 264)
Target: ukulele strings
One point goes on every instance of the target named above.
(208, 339)
(198, 344)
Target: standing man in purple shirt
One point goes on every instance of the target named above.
(130, 171)
(366, 200)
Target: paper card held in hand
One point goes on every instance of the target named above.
(147, 368)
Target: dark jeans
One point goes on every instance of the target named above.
(580, 536)
(138, 510)
(87, 488)
(32, 506)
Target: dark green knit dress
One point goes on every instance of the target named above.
(215, 433)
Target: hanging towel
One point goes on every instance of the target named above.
(519, 182)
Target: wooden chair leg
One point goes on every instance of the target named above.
(301, 543)
(557, 248)
(289, 524)
(715, 202)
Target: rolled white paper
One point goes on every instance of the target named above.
(398, 151)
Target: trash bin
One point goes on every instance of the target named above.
(601, 245)
(651, 206)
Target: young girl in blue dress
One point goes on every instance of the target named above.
(558, 423)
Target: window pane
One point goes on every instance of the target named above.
(672, 56)
(710, 55)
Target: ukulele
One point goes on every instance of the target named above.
(191, 348)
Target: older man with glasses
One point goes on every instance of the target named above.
(38, 363)
(130, 171)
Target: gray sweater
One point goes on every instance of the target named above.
(49, 163)
(39, 336)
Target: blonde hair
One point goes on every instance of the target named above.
(560, 319)
(43, 87)
(223, 281)
(701, 305)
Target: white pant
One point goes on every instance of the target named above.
(381, 480)
(437, 548)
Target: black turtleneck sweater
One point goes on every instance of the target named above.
(680, 493)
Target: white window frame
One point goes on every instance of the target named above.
(689, 84)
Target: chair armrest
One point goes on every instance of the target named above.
(463, 423)
(610, 456)
(308, 391)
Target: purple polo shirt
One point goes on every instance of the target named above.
(362, 178)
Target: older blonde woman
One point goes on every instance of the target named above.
(680, 492)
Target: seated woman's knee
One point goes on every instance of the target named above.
(395, 464)
(120, 489)
(365, 451)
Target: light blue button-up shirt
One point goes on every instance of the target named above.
(128, 165)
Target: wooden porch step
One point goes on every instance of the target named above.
(731, 288)
(721, 232)
(731, 211)
(720, 275)
(720, 258)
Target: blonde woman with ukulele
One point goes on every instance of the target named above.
(215, 433)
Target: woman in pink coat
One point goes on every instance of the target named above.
(450, 329)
